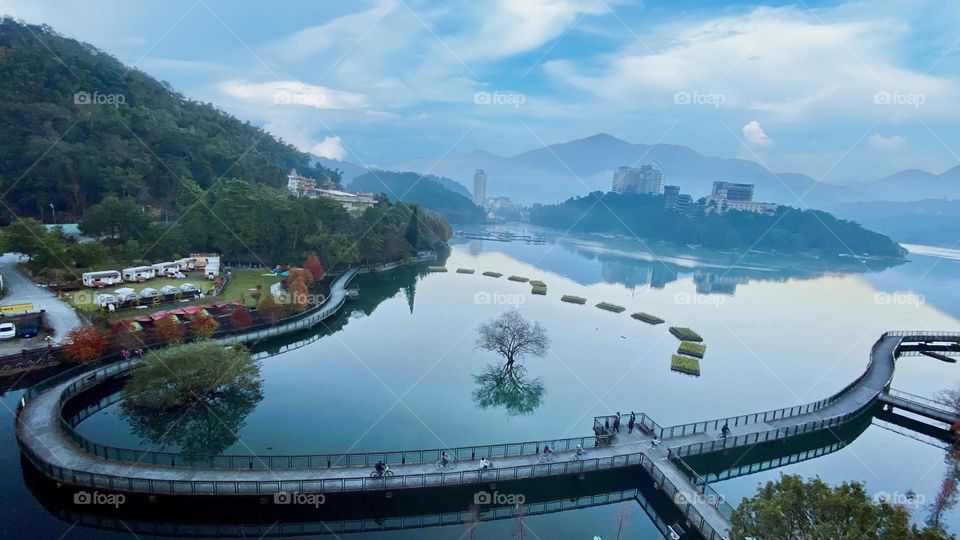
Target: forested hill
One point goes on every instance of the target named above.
(423, 190)
(788, 230)
(76, 125)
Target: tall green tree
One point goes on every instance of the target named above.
(794, 509)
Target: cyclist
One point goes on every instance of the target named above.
(485, 463)
(725, 431)
(380, 467)
(547, 451)
(444, 460)
(580, 452)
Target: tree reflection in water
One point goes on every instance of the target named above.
(508, 387)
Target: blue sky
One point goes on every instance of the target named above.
(842, 91)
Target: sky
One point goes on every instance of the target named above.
(841, 91)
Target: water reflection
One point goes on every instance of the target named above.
(634, 263)
(510, 388)
(205, 423)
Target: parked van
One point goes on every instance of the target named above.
(102, 279)
(211, 271)
(138, 273)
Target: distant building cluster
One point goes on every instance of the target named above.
(725, 196)
(479, 187)
(643, 180)
(302, 186)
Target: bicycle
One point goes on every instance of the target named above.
(386, 472)
(547, 458)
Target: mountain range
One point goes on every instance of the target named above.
(559, 171)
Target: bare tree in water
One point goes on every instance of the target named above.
(513, 337)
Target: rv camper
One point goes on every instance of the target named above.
(166, 269)
(138, 273)
(102, 279)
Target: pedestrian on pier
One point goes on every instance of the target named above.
(606, 425)
(631, 422)
(616, 423)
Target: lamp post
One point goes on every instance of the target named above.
(54, 210)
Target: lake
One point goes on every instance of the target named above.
(397, 370)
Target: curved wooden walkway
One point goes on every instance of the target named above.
(43, 439)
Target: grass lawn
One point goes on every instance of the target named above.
(685, 364)
(573, 299)
(611, 307)
(243, 282)
(647, 318)
(690, 348)
(685, 334)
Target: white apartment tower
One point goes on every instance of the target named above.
(479, 187)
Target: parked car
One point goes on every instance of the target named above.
(29, 330)
(7, 331)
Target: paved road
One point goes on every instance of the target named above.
(20, 290)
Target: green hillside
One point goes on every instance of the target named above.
(76, 125)
(423, 190)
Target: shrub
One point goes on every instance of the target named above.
(123, 337)
(86, 344)
(493, 274)
(647, 318)
(611, 307)
(295, 274)
(685, 364)
(519, 279)
(573, 299)
(537, 283)
(269, 310)
(169, 329)
(437, 268)
(464, 270)
(685, 334)
(298, 295)
(690, 348)
(542, 291)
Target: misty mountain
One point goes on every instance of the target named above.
(559, 171)
(351, 171)
(914, 184)
(423, 190)
(933, 222)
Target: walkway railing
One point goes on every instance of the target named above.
(930, 403)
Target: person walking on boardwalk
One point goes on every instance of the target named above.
(616, 423)
(606, 425)
(725, 430)
(631, 422)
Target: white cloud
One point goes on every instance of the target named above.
(887, 143)
(330, 148)
(754, 134)
(795, 64)
(293, 93)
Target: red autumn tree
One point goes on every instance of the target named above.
(169, 329)
(240, 318)
(315, 267)
(204, 326)
(86, 344)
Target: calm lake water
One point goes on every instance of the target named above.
(397, 370)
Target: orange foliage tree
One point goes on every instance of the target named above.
(169, 329)
(298, 295)
(86, 344)
(240, 318)
(301, 274)
(124, 337)
(315, 267)
(204, 326)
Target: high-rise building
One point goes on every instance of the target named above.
(674, 201)
(732, 191)
(479, 187)
(644, 180)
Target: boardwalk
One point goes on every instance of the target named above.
(48, 441)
